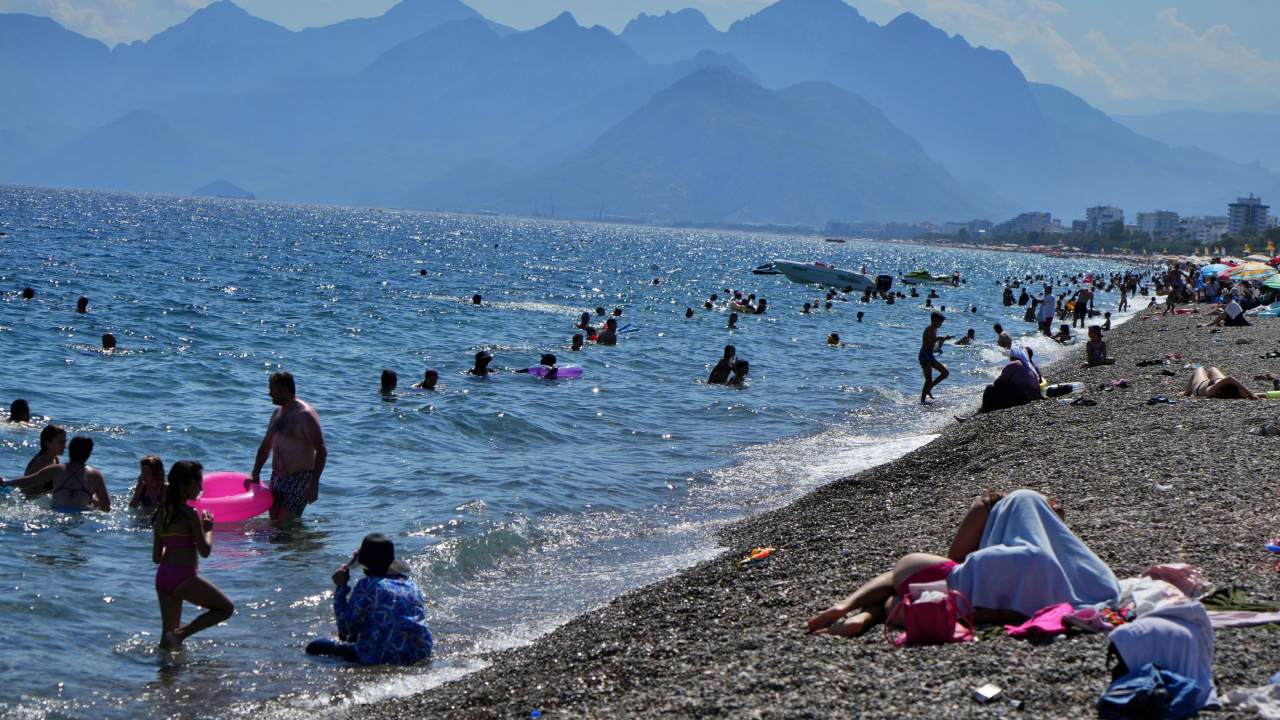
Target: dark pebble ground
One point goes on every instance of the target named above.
(1141, 485)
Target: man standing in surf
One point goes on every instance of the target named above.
(928, 362)
(295, 444)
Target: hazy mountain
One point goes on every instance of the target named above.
(672, 36)
(138, 152)
(1243, 137)
(349, 46)
(1101, 161)
(718, 147)
(223, 189)
(46, 71)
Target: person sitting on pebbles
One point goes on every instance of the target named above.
(1012, 555)
(1096, 349)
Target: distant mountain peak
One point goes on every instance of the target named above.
(807, 9)
(430, 8)
(563, 20)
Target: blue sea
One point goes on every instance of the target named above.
(518, 502)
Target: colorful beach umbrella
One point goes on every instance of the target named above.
(1250, 271)
(1214, 269)
(1272, 282)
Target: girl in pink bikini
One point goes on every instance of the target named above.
(181, 533)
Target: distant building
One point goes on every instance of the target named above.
(1028, 222)
(1206, 230)
(971, 228)
(1158, 224)
(1100, 218)
(1079, 227)
(1247, 215)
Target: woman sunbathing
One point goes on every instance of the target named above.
(1011, 556)
(1213, 383)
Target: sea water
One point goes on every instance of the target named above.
(518, 502)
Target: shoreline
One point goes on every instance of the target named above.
(716, 639)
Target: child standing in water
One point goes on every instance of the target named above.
(384, 620)
(181, 533)
(149, 492)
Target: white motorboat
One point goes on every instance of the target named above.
(818, 273)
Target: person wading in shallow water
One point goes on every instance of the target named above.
(296, 446)
(929, 341)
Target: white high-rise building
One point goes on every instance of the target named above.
(1247, 215)
(1100, 218)
(1161, 223)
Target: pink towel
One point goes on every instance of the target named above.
(1046, 621)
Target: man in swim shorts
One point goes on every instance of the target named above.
(296, 446)
(928, 363)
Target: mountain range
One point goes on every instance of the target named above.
(804, 112)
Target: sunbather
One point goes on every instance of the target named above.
(1211, 382)
(1011, 556)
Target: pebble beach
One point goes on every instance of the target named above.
(1141, 484)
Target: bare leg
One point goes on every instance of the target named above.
(928, 383)
(1199, 377)
(969, 534)
(170, 620)
(943, 374)
(199, 591)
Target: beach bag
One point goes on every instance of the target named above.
(931, 614)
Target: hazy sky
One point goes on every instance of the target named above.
(1118, 54)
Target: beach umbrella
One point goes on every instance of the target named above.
(1214, 269)
(1250, 271)
(1272, 282)
(1257, 258)
(1274, 261)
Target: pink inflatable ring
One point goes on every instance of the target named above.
(226, 499)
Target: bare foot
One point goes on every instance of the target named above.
(170, 640)
(851, 625)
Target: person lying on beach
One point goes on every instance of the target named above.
(75, 485)
(429, 379)
(149, 492)
(1213, 383)
(740, 369)
(183, 536)
(1011, 556)
(1096, 349)
(384, 620)
(481, 368)
(720, 373)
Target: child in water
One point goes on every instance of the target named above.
(149, 492)
(384, 620)
(181, 533)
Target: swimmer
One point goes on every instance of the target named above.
(53, 441)
(860, 313)
(575, 345)
(422, 271)
(827, 306)
(584, 322)
(656, 281)
(762, 306)
(547, 361)
(182, 537)
(599, 312)
(720, 373)
(82, 305)
(388, 382)
(707, 305)
(295, 444)
(481, 368)
(149, 492)
(928, 363)
(476, 299)
(833, 340)
(805, 310)
(108, 342)
(739, 379)
(967, 339)
(688, 313)
(610, 334)
(617, 312)
(19, 411)
(28, 293)
(74, 484)
(733, 321)
(429, 379)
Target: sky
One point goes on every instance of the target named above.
(1120, 55)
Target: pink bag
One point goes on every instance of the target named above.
(932, 614)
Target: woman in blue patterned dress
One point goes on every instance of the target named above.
(384, 620)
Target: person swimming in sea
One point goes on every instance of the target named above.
(19, 411)
(720, 373)
(688, 313)
(149, 492)
(82, 305)
(108, 342)
(834, 340)
(28, 293)
(740, 369)
(548, 361)
(967, 339)
(388, 382)
(733, 321)
(74, 484)
(575, 344)
(476, 299)
(429, 379)
(609, 336)
(929, 341)
(481, 368)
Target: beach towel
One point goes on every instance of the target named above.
(1029, 559)
(1174, 636)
